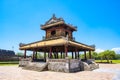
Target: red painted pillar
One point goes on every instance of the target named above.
(25, 53)
(90, 57)
(85, 55)
(44, 55)
(78, 55)
(72, 55)
(61, 55)
(75, 53)
(50, 53)
(33, 55)
(57, 55)
(66, 51)
(36, 55)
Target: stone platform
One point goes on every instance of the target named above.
(59, 65)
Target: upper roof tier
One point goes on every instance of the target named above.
(53, 21)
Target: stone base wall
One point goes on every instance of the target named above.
(71, 65)
(59, 65)
(36, 66)
(74, 65)
(24, 62)
(64, 65)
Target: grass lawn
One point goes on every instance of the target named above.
(8, 63)
(113, 61)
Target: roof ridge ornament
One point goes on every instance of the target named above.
(54, 17)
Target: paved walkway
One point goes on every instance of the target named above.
(110, 69)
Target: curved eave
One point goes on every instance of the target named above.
(43, 44)
(73, 28)
(56, 42)
(49, 25)
(57, 23)
(81, 46)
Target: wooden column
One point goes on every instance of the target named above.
(64, 55)
(90, 57)
(25, 53)
(50, 53)
(45, 55)
(61, 55)
(75, 53)
(57, 55)
(33, 55)
(54, 54)
(72, 55)
(78, 55)
(85, 57)
(66, 51)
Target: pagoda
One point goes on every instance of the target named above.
(58, 42)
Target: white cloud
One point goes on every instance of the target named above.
(117, 50)
(99, 50)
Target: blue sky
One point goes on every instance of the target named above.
(98, 21)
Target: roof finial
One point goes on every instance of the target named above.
(53, 16)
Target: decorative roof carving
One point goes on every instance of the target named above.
(93, 46)
(22, 44)
(53, 19)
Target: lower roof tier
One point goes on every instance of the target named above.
(59, 42)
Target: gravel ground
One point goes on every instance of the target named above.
(106, 72)
(114, 68)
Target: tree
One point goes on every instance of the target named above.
(117, 56)
(95, 55)
(107, 55)
(39, 55)
(82, 56)
(19, 54)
